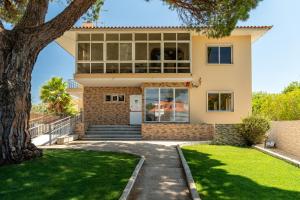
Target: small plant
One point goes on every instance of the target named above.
(254, 129)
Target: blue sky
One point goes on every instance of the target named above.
(275, 56)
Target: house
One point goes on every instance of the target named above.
(172, 80)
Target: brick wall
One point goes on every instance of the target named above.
(286, 134)
(158, 131)
(97, 111)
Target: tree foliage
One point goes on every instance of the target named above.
(295, 85)
(55, 96)
(283, 106)
(11, 11)
(215, 18)
(39, 108)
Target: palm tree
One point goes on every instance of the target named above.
(55, 96)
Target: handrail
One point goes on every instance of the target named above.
(57, 128)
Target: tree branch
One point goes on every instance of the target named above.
(34, 15)
(62, 22)
(1, 26)
(2, 30)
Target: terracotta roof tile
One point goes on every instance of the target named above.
(164, 27)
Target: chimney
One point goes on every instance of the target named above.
(87, 24)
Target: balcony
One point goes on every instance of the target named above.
(128, 53)
(74, 88)
(154, 67)
(128, 80)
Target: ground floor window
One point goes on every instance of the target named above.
(114, 98)
(166, 105)
(220, 101)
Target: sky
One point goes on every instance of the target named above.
(274, 56)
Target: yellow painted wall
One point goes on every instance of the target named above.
(235, 77)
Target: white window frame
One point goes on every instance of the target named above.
(219, 54)
(219, 92)
(133, 42)
(174, 105)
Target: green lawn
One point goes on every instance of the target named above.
(68, 174)
(233, 173)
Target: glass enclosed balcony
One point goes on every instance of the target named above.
(111, 53)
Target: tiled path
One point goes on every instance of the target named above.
(161, 178)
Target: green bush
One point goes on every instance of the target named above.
(253, 129)
(285, 106)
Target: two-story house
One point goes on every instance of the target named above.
(173, 81)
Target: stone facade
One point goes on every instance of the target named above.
(228, 134)
(97, 111)
(80, 129)
(159, 131)
(286, 135)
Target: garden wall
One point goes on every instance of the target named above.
(228, 134)
(286, 134)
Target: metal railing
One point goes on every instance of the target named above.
(44, 119)
(72, 84)
(56, 129)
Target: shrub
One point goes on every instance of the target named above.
(253, 129)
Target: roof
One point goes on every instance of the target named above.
(163, 27)
(68, 40)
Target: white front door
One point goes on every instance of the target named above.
(135, 109)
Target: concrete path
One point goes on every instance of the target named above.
(161, 178)
(41, 140)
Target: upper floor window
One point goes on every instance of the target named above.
(220, 101)
(133, 53)
(219, 54)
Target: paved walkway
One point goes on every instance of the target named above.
(41, 140)
(161, 178)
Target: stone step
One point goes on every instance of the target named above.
(113, 136)
(115, 126)
(108, 139)
(114, 129)
(113, 132)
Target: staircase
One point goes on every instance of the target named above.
(113, 132)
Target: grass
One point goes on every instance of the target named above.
(233, 173)
(68, 174)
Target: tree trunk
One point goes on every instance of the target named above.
(19, 49)
(17, 60)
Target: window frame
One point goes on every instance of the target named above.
(133, 44)
(159, 105)
(219, 92)
(219, 54)
(90, 61)
(111, 97)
